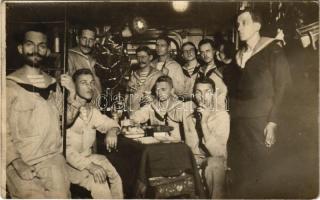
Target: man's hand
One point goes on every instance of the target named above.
(67, 82)
(269, 133)
(25, 171)
(99, 175)
(147, 98)
(204, 111)
(111, 139)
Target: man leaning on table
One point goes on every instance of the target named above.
(165, 109)
(92, 171)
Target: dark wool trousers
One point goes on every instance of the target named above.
(249, 158)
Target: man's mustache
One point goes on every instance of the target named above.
(86, 46)
(38, 62)
(36, 54)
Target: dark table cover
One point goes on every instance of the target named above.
(136, 162)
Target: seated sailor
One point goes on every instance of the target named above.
(89, 170)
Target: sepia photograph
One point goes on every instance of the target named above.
(149, 99)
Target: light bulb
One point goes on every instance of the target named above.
(140, 24)
(180, 6)
(126, 32)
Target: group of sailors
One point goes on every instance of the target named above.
(228, 105)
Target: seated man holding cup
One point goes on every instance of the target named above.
(206, 133)
(85, 168)
(165, 109)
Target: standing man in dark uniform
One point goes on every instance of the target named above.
(261, 84)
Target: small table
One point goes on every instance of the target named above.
(136, 162)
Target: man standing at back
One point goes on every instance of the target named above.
(167, 65)
(142, 80)
(81, 57)
(210, 70)
(261, 84)
(190, 69)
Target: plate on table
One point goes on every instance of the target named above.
(147, 140)
(133, 136)
(166, 139)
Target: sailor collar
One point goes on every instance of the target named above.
(261, 44)
(44, 92)
(175, 104)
